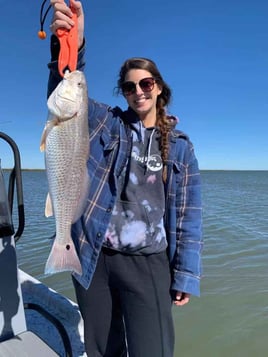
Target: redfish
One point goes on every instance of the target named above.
(65, 140)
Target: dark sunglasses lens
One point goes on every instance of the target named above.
(128, 88)
(147, 84)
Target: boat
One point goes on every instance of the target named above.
(35, 320)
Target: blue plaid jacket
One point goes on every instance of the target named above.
(109, 148)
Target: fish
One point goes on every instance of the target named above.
(65, 143)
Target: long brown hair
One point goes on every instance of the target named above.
(163, 100)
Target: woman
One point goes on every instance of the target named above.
(139, 239)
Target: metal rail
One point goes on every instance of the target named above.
(15, 179)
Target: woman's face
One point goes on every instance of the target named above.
(143, 101)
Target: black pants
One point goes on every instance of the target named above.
(127, 308)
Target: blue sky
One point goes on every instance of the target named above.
(212, 53)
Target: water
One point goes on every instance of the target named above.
(231, 316)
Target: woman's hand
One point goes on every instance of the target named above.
(181, 298)
(63, 17)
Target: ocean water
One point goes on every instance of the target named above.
(231, 316)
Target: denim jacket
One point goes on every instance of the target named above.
(109, 149)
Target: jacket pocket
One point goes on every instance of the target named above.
(101, 153)
(109, 143)
(176, 172)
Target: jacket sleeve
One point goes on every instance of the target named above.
(187, 267)
(54, 76)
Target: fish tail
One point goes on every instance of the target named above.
(63, 258)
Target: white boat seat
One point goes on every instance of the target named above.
(26, 344)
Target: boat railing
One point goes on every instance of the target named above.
(15, 180)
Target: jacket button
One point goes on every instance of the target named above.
(108, 209)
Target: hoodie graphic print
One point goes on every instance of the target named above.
(136, 226)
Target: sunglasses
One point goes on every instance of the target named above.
(146, 85)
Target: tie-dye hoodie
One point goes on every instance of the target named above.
(136, 226)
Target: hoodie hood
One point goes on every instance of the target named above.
(173, 120)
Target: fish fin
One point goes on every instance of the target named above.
(63, 258)
(43, 142)
(43, 139)
(52, 121)
(48, 208)
(83, 197)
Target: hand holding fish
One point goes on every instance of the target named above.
(62, 17)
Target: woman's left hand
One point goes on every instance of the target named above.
(181, 298)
